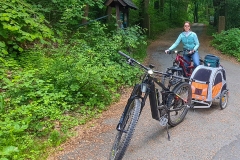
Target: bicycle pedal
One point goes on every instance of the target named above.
(163, 121)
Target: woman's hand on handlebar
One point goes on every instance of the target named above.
(191, 52)
(167, 51)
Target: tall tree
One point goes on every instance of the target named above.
(86, 12)
(161, 6)
(195, 13)
(145, 21)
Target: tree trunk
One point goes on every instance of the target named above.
(195, 14)
(109, 13)
(145, 14)
(222, 8)
(118, 16)
(161, 6)
(86, 11)
(146, 20)
(170, 9)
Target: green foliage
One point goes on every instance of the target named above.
(229, 9)
(47, 91)
(6, 151)
(179, 12)
(228, 42)
(158, 17)
(232, 14)
(65, 15)
(20, 25)
(55, 138)
(158, 23)
(211, 30)
(204, 9)
(1, 104)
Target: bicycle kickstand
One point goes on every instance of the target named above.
(168, 133)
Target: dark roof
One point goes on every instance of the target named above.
(122, 2)
(130, 3)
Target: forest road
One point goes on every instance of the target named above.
(205, 134)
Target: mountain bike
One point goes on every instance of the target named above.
(179, 61)
(179, 68)
(169, 107)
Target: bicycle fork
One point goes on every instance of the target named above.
(119, 126)
(124, 114)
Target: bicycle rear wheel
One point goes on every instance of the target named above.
(178, 107)
(124, 136)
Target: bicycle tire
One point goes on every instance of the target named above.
(124, 137)
(184, 90)
(223, 99)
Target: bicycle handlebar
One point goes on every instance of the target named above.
(123, 54)
(170, 52)
(130, 60)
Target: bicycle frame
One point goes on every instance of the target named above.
(179, 59)
(180, 62)
(142, 91)
(148, 88)
(166, 105)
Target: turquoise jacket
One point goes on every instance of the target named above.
(190, 42)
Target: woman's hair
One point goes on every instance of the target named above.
(188, 24)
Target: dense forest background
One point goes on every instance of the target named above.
(59, 63)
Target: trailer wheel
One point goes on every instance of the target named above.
(223, 99)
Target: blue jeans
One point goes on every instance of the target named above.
(194, 57)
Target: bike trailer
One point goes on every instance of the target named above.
(208, 84)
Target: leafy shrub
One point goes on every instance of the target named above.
(20, 26)
(65, 15)
(228, 42)
(232, 13)
(47, 91)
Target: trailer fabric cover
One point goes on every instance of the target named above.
(207, 82)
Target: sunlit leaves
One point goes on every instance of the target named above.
(8, 150)
(19, 23)
(46, 91)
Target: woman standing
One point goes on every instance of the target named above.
(190, 44)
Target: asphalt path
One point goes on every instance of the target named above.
(205, 134)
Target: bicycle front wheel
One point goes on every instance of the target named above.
(178, 107)
(124, 136)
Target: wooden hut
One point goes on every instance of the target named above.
(122, 10)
